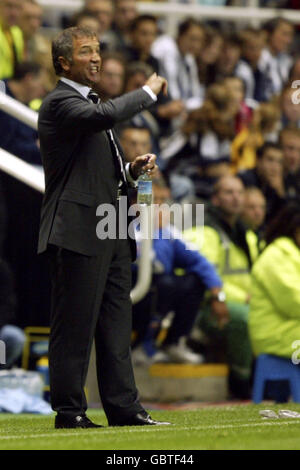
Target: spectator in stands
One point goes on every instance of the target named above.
(125, 13)
(160, 117)
(16, 137)
(103, 11)
(267, 175)
(254, 212)
(228, 60)
(178, 62)
(290, 142)
(203, 148)
(37, 48)
(133, 139)
(143, 32)
(255, 80)
(275, 60)
(208, 56)
(12, 335)
(181, 294)
(236, 88)
(11, 37)
(226, 243)
(274, 321)
(86, 19)
(264, 126)
(112, 76)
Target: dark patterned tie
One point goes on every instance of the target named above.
(93, 96)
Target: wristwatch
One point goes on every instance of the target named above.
(220, 296)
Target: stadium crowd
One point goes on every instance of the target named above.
(227, 135)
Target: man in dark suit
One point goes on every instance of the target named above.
(91, 277)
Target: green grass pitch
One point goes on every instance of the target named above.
(232, 427)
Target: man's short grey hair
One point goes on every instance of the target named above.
(62, 45)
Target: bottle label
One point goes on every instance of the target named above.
(145, 187)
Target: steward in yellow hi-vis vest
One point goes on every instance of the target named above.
(232, 249)
(11, 50)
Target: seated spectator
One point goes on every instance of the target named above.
(267, 175)
(254, 213)
(290, 141)
(203, 147)
(37, 48)
(178, 62)
(143, 32)
(125, 13)
(12, 336)
(274, 320)
(228, 60)
(275, 60)
(247, 69)
(137, 141)
(236, 88)
(16, 137)
(263, 127)
(229, 246)
(103, 10)
(208, 56)
(86, 19)
(112, 76)
(172, 290)
(11, 37)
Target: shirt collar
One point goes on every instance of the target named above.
(82, 89)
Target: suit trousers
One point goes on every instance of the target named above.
(91, 299)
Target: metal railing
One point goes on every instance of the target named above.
(34, 178)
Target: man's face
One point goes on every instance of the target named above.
(291, 152)
(125, 13)
(86, 61)
(270, 164)
(254, 209)
(112, 78)
(144, 36)
(252, 49)
(192, 41)
(31, 19)
(136, 81)
(10, 11)
(103, 10)
(90, 23)
(282, 37)
(35, 85)
(230, 196)
(236, 89)
(135, 142)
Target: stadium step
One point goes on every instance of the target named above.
(167, 383)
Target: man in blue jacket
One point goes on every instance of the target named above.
(180, 293)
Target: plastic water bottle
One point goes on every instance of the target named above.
(144, 195)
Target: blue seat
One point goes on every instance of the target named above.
(269, 367)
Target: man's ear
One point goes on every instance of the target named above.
(65, 64)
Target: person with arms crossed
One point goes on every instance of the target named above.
(91, 277)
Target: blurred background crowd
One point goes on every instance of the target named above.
(227, 135)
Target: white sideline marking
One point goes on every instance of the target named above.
(152, 429)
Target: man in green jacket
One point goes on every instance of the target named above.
(226, 243)
(11, 37)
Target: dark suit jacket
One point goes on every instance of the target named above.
(80, 169)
